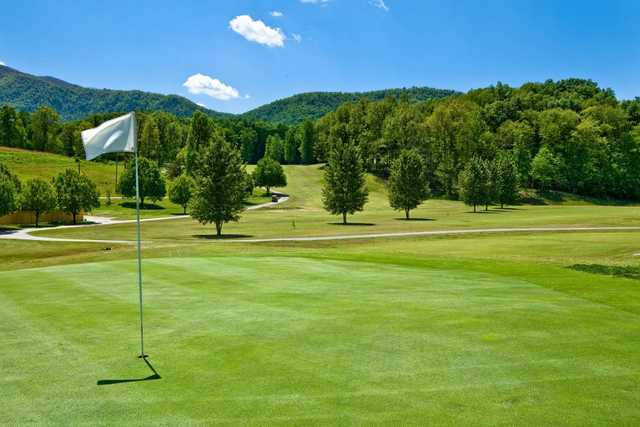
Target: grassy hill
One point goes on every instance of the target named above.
(312, 105)
(34, 164)
(27, 92)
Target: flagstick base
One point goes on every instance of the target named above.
(143, 356)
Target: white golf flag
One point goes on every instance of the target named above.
(113, 136)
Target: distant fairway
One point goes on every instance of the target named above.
(253, 340)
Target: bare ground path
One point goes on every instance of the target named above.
(26, 233)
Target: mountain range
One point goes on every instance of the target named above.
(27, 92)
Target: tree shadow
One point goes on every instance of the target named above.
(154, 376)
(368, 224)
(630, 272)
(478, 212)
(146, 206)
(223, 237)
(414, 219)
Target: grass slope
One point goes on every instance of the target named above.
(303, 215)
(34, 164)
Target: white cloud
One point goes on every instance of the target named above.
(2, 63)
(202, 84)
(296, 37)
(380, 4)
(276, 14)
(257, 31)
(201, 104)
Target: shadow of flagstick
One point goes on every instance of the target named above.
(155, 376)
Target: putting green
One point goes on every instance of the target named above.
(302, 341)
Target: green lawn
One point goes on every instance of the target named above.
(322, 338)
(512, 329)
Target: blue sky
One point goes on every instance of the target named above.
(238, 63)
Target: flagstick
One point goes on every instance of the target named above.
(142, 355)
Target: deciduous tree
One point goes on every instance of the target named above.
(408, 186)
(344, 191)
(269, 173)
(220, 187)
(76, 193)
(181, 191)
(152, 184)
(37, 196)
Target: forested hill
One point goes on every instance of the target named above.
(312, 105)
(27, 92)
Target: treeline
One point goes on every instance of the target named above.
(568, 135)
(313, 105)
(70, 192)
(163, 137)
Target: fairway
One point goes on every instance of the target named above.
(256, 340)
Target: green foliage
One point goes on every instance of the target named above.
(8, 195)
(291, 146)
(200, 133)
(269, 173)
(12, 130)
(44, 126)
(149, 141)
(307, 143)
(344, 191)
(545, 168)
(220, 185)
(6, 173)
(37, 196)
(475, 183)
(152, 184)
(313, 105)
(505, 179)
(408, 186)
(76, 193)
(27, 92)
(181, 191)
(275, 148)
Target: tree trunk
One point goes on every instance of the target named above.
(501, 205)
(184, 209)
(218, 228)
(406, 213)
(474, 208)
(344, 218)
(116, 189)
(486, 207)
(37, 218)
(74, 217)
(268, 191)
(141, 202)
